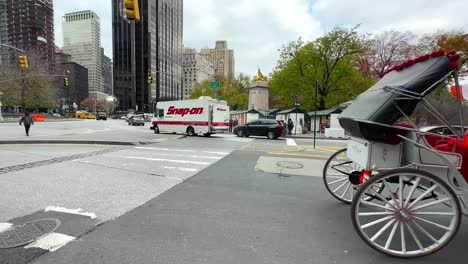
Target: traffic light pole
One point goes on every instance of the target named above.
(23, 92)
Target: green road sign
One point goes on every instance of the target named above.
(214, 85)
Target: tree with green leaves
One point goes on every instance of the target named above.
(330, 60)
(235, 92)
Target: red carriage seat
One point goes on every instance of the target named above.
(460, 148)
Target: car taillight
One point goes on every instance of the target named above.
(282, 128)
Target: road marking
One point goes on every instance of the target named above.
(184, 150)
(168, 160)
(188, 156)
(181, 169)
(323, 147)
(290, 142)
(299, 155)
(5, 226)
(327, 149)
(51, 242)
(159, 139)
(70, 211)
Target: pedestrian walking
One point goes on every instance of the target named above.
(230, 125)
(27, 121)
(290, 126)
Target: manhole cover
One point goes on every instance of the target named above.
(290, 165)
(26, 233)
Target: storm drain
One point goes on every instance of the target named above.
(56, 160)
(26, 233)
(290, 165)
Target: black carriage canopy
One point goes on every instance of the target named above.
(380, 103)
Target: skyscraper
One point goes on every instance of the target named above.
(154, 45)
(82, 40)
(196, 70)
(28, 25)
(106, 73)
(222, 58)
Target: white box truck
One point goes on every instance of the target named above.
(203, 116)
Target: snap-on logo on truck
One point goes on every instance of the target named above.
(185, 111)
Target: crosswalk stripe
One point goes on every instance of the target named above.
(51, 242)
(5, 226)
(187, 156)
(168, 160)
(70, 211)
(184, 150)
(290, 142)
(181, 169)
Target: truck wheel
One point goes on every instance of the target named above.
(156, 129)
(190, 131)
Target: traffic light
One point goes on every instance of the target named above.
(65, 81)
(150, 78)
(23, 60)
(131, 10)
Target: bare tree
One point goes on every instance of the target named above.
(384, 51)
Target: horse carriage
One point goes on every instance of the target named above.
(407, 195)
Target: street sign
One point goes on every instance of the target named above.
(297, 100)
(215, 85)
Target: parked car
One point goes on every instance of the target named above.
(136, 120)
(284, 125)
(262, 127)
(101, 116)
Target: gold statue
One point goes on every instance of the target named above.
(259, 76)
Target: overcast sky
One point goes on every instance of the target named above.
(256, 29)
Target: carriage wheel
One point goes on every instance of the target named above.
(417, 214)
(341, 177)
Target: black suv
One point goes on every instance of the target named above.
(262, 127)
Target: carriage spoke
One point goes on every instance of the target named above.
(392, 195)
(424, 231)
(373, 223)
(346, 190)
(410, 194)
(339, 187)
(403, 239)
(375, 213)
(431, 204)
(392, 234)
(415, 237)
(423, 195)
(383, 199)
(400, 189)
(432, 223)
(381, 231)
(377, 205)
(434, 213)
(337, 181)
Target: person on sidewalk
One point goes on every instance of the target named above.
(230, 125)
(27, 121)
(290, 126)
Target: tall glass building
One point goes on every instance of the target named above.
(28, 25)
(154, 45)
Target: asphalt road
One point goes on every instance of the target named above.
(110, 130)
(222, 199)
